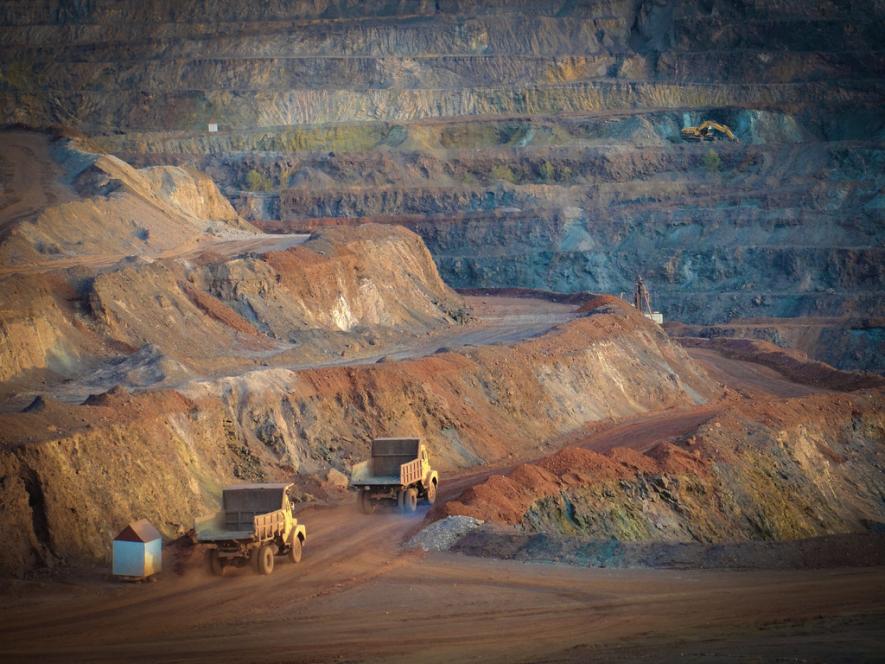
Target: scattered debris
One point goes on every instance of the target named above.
(442, 535)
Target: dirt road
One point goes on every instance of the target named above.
(357, 596)
(749, 377)
(496, 320)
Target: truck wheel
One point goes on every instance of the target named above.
(410, 502)
(264, 559)
(401, 500)
(367, 506)
(295, 549)
(216, 565)
(431, 493)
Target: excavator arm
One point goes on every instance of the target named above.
(708, 130)
(709, 125)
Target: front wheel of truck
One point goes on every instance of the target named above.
(295, 549)
(431, 493)
(264, 559)
(410, 500)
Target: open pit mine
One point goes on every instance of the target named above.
(442, 331)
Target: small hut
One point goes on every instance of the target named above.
(138, 550)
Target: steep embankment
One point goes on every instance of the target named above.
(758, 470)
(164, 455)
(335, 294)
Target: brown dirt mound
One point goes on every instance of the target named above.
(70, 202)
(507, 498)
(775, 469)
(219, 310)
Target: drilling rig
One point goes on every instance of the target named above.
(642, 301)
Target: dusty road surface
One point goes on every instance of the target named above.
(496, 320)
(358, 596)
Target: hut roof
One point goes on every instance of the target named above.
(139, 531)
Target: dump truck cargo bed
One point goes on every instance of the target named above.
(362, 477)
(398, 470)
(256, 523)
(210, 534)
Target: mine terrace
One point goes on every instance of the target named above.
(442, 331)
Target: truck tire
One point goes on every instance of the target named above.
(410, 501)
(401, 500)
(431, 493)
(367, 505)
(264, 559)
(295, 549)
(216, 565)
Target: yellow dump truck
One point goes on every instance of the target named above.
(399, 471)
(256, 523)
(708, 131)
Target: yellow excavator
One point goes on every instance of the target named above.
(708, 131)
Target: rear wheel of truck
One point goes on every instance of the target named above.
(431, 493)
(295, 549)
(367, 505)
(410, 501)
(264, 560)
(216, 565)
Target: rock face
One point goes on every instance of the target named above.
(530, 144)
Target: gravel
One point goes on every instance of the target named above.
(442, 535)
